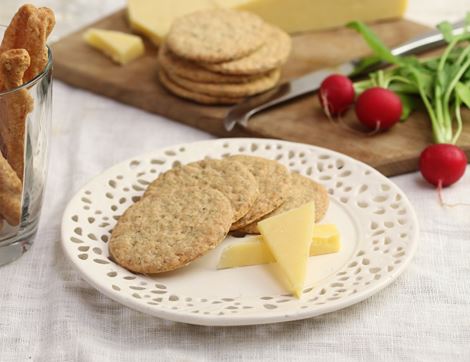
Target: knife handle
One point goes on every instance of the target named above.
(241, 113)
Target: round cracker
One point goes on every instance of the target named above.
(192, 71)
(216, 35)
(273, 184)
(193, 96)
(271, 55)
(302, 190)
(256, 86)
(166, 231)
(231, 178)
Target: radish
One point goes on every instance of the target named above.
(442, 164)
(442, 85)
(378, 108)
(336, 94)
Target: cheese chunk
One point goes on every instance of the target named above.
(120, 47)
(304, 15)
(288, 236)
(254, 251)
(326, 240)
(153, 18)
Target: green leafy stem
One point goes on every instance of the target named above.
(441, 83)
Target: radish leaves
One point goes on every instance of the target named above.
(442, 83)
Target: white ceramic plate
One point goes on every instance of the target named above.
(378, 228)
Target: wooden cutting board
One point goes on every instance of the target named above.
(393, 152)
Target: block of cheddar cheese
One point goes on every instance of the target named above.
(153, 18)
(306, 15)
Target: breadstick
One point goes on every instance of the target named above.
(14, 107)
(15, 32)
(40, 25)
(29, 30)
(10, 193)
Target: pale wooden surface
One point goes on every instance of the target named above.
(394, 152)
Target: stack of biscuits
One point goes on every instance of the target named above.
(23, 55)
(188, 210)
(220, 56)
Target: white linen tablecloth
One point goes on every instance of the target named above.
(48, 313)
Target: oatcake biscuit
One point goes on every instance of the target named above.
(193, 96)
(166, 231)
(216, 35)
(301, 191)
(229, 177)
(237, 90)
(271, 55)
(273, 183)
(192, 71)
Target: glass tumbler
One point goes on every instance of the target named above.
(25, 118)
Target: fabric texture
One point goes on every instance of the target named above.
(48, 313)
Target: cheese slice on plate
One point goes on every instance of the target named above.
(288, 236)
(254, 250)
(120, 47)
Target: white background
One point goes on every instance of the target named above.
(47, 313)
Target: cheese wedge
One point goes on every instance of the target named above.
(254, 250)
(120, 47)
(305, 15)
(153, 18)
(288, 236)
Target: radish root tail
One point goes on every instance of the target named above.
(326, 107)
(343, 124)
(442, 202)
(339, 119)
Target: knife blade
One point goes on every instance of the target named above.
(309, 83)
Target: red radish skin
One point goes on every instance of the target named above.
(442, 164)
(378, 108)
(336, 94)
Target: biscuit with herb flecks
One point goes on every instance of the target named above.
(231, 178)
(301, 191)
(166, 231)
(194, 96)
(189, 70)
(235, 90)
(269, 56)
(216, 35)
(273, 182)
